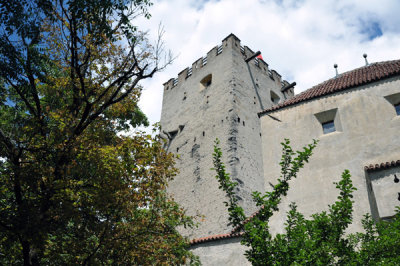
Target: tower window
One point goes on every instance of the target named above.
(328, 127)
(206, 81)
(274, 98)
(173, 134)
(397, 107)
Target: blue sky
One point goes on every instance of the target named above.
(301, 39)
(372, 30)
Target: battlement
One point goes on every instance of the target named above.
(231, 42)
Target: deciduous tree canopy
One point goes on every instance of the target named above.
(72, 189)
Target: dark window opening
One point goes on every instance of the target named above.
(206, 81)
(204, 133)
(177, 149)
(274, 98)
(238, 119)
(243, 123)
(173, 134)
(397, 107)
(328, 127)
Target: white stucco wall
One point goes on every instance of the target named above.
(368, 132)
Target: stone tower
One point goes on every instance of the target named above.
(218, 97)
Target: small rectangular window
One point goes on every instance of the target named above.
(397, 107)
(328, 127)
(206, 82)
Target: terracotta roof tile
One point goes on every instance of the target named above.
(214, 237)
(347, 80)
(234, 233)
(381, 166)
(236, 229)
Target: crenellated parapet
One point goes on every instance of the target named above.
(231, 42)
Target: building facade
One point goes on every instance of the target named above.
(218, 97)
(234, 96)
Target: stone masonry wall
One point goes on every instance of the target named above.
(221, 252)
(194, 115)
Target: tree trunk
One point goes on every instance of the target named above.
(25, 252)
(29, 254)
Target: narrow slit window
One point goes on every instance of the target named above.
(328, 127)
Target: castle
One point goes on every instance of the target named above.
(234, 96)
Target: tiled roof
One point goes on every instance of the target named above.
(347, 80)
(381, 166)
(234, 233)
(214, 237)
(248, 219)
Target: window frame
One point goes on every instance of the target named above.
(328, 127)
(397, 108)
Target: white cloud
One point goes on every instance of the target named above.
(300, 39)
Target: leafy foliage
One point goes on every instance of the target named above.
(320, 240)
(72, 189)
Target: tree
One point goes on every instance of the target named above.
(319, 240)
(72, 189)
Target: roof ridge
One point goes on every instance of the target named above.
(352, 70)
